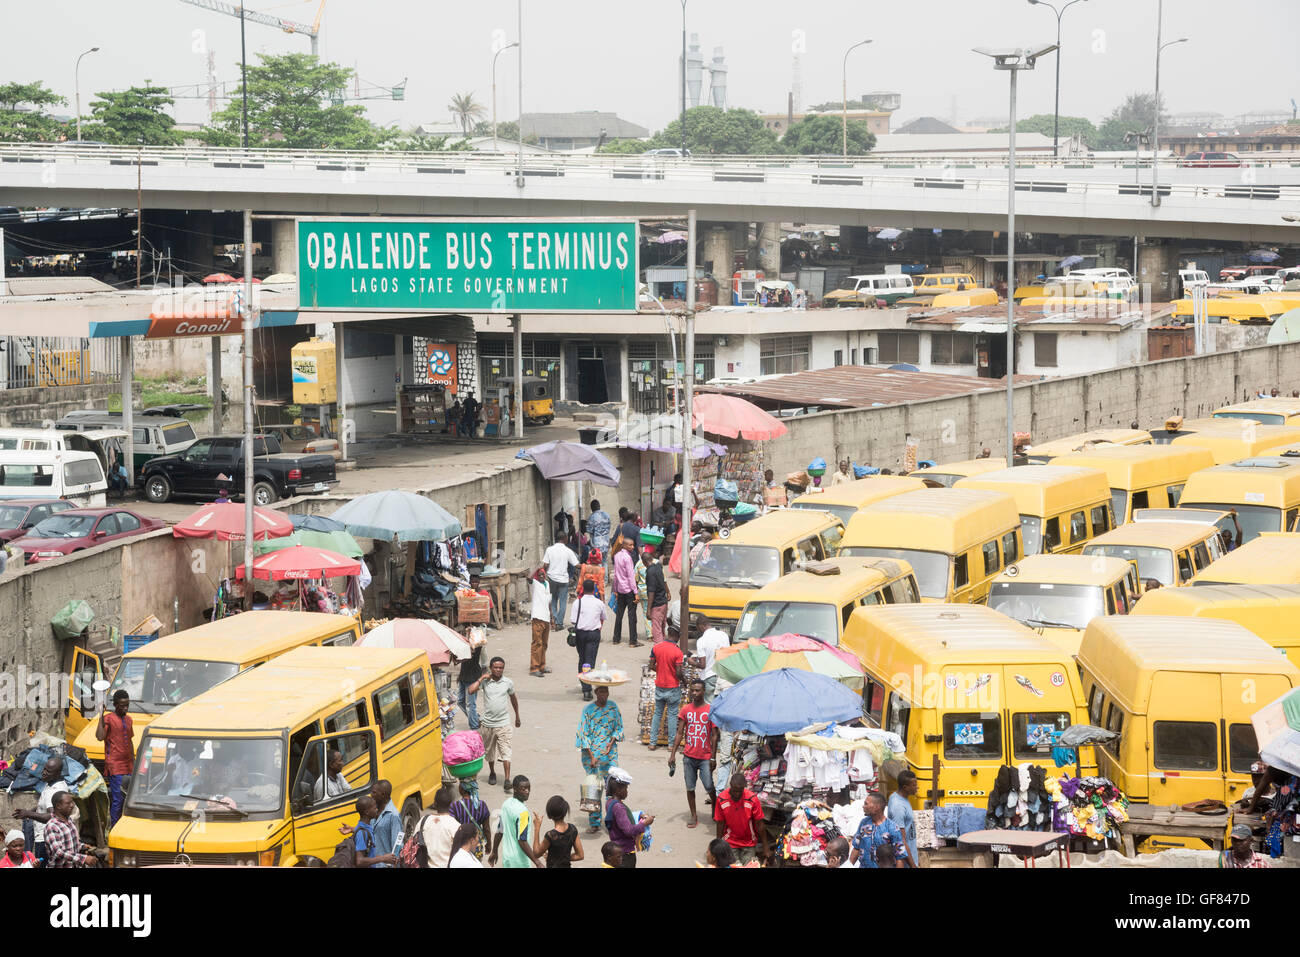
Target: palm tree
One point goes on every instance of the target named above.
(466, 110)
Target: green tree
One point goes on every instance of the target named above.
(824, 135)
(627, 146)
(1069, 126)
(133, 116)
(293, 103)
(1137, 112)
(712, 130)
(423, 143)
(466, 110)
(22, 113)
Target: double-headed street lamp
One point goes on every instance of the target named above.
(1056, 110)
(1155, 124)
(844, 92)
(1014, 60)
(76, 81)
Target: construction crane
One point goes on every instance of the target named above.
(252, 16)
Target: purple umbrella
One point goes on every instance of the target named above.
(572, 462)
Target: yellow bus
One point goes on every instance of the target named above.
(1171, 553)
(1272, 558)
(844, 500)
(956, 540)
(818, 604)
(1057, 595)
(967, 690)
(1272, 411)
(1264, 489)
(169, 671)
(1044, 452)
(947, 474)
(1240, 440)
(1233, 310)
(263, 769)
(1270, 611)
(1061, 507)
(729, 571)
(1144, 476)
(1180, 693)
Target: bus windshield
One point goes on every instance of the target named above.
(157, 685)
(1253, 518)
(931, 567)
(736, 566)
(239, 776)
(764, 618)
(1041, 605)
(1157, 563)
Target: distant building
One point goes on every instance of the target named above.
(578, 131)
(877, 120)
(927, 125)
(911, 143)
(1263, 140)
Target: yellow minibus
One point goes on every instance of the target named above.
(1264, 489)
(1270, 611)
(1146, 476)
(1061, 507)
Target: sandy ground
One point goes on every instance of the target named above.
(544, 751)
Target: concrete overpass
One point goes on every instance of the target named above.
(1065, 196)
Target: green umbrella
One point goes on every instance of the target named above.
(340, 542)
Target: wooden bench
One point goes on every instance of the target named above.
(1146, 820)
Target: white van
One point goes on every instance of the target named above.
(152, 435)
(98, 441)
(857, 291)
(1119, 283)
(73, 476)
(1191, 278)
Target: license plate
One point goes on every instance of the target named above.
(320, 487)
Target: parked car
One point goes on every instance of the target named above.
(20, 514)
(217, 462)
(80, 528)
(1210, 160)
(669, 151)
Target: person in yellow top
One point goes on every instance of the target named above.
(612, 854)
(842, 476)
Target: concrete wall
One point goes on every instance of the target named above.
(159, 357)
(22, 407)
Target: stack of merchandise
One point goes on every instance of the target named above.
(1091, 807)
(1019, 800)
(646, 702)
(1283, 821)
(812, 825)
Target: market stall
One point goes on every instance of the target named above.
(305, 574)
(225, 522)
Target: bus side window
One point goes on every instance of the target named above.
(1202, 555)
(1100, 519)
(1010, 549)
(1078, 527)
(1289, 524)
(1184, 565)
(873, 700)
(1052, 535)
(1140, 500)
(1175, 493)
(990, 550)
(960, 576)
(897, 715)
(875, 598)
(1110, 601)
(1095, 698)
(845, 613)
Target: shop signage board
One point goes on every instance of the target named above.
(484, 265)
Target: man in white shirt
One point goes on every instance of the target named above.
(541, 609)
(558, 559)
(589, 614)
(707, 646)
(332, 783)
(52, 775)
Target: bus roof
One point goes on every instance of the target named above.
(1234, 442)
(857, 576)
(1066, 570)
(1271, 559)
(859, 492)
(288, 690)
(1072, 443)
(934, 519)
(1192, 601)
(1129, 649)
(244, 638)
(1045, 489)
(784, 524)
(1278, 405)
(963, 468)
(940, 634)
(1259, 480)
(1141, 466)
(1155, 535)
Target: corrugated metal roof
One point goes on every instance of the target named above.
(857, 387)
(1110, 313)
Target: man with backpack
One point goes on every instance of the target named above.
(367, 852)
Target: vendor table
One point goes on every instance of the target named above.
(1027, 845)
(499, 586)
(1145, 820)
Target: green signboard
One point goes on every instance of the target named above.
(404, 265)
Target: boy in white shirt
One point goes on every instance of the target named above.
(707, 646)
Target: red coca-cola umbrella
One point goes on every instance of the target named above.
(219, 277)
(224, 521)
(299, 562)
(734, 417)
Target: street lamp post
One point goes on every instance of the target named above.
(844, 101)
(514, 43)
(1056, 110)
(683, 118)
(1155, 123)
(76, 81)
(1013, 60)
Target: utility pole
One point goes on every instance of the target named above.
(247, 317)
(139, 212)
(243, 78)
(688, 382)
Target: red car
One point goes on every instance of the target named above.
(80, 528)
(17, 515)
(1202, 160)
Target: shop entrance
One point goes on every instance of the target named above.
(592, 388)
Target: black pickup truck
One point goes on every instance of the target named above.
(217, 462)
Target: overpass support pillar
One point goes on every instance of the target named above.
(284, 246)
(1157, 263)
(769, 250)
(718, 252)
(853, 241)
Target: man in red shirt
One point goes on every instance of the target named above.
(115, 730)
(740, 820)
(700, 738)
(666, 659)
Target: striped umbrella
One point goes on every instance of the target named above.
(756, 655)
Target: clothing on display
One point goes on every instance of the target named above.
(1092, 807)
(953, 820)
(1019, 800)
(812, 825)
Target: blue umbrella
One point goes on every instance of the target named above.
(316, 523)
(395, 514)
(774, 702)
(1262, 256)
(572, 462)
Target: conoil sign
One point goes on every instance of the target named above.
(529, 266)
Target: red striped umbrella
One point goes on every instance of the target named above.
(224, 521)
(301, 561)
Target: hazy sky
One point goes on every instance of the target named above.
(622, 56)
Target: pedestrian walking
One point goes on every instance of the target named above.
(388, 825)
(711, 641)
(628, 527)
(439, 828)
(368, 853)
(469, 808)
(666, 659)
(600, 729)
(589, 614)
(899, 810)
(625, 593)
(842, 476)
(656, 595)
(513, 843)
(541, 613)
(739, 816)
(469, 411)
(471, 671)
(696, 737)
(599, 526)
(561, 846)
(494, 724)
(467, 847)
(558, 559)
(875, 831)
(115, 729)
(592, 570)
(623, 831)
(62, 840)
